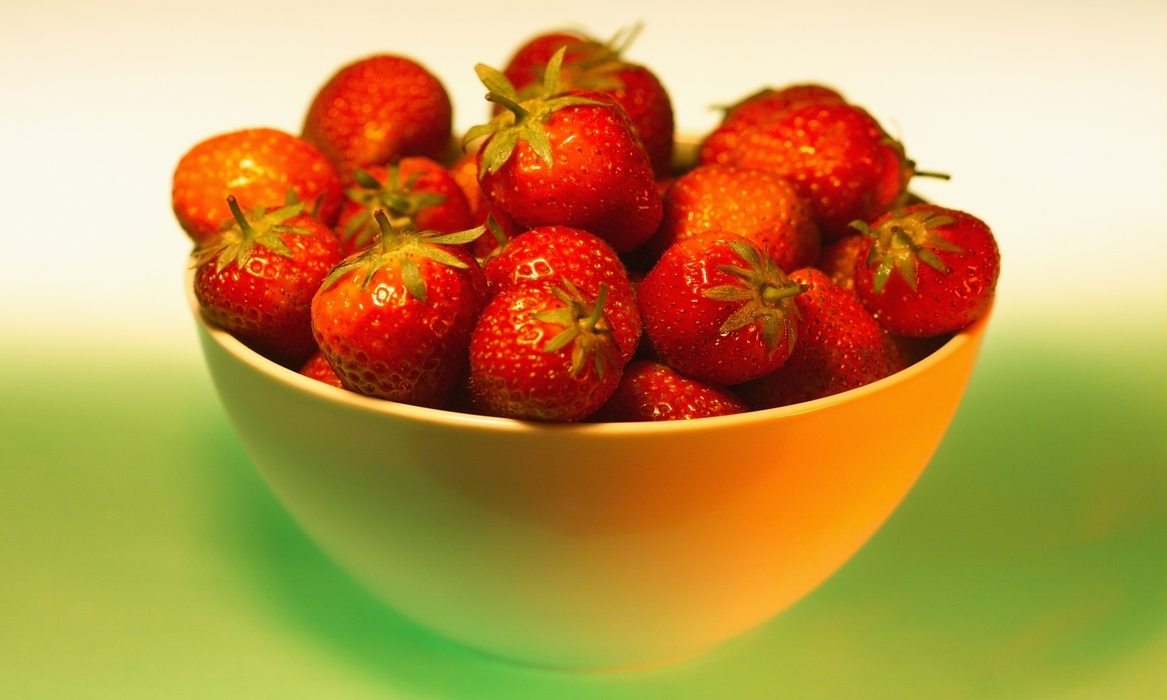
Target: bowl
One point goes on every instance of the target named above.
(588, 546)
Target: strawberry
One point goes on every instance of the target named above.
(543, 351)
(555, 253)
(376, 110)
(719, 145)
(927, 270)
(417, 193)
(836, 156)
(837, 260)
(394, 320)
(756, 204)
(840, 347)
(717, 309)
(256, 279)
(650, 391)
(258, 167)
(570, 159)
(589, 64)
(317, 368)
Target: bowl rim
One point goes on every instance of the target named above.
(454, 419)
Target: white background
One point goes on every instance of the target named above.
(1050, 116)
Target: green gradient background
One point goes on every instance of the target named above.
(144, 558)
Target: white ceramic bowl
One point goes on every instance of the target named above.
(588, 546)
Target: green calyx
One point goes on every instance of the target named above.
(240, 235)
(584, 325)
(901, 240)
(766, 295)
(398, 199)
(393, 247)
(523, 119)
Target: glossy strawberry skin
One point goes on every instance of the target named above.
(267, 303)
(553, 253)
(650, 391)
(684, 325)
(756, 204)
(451, 214)
(376, 110)
(258, 167)
(840, 347)
(511, 374)
(383, 342)
(942, 302)
(601, 180)
(719, 145)
(837, 157)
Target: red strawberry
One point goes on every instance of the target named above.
(717, 309)
(256, 279)
(417, 193)
(259, 167)
(555, 253)
(529, 63)
(719, 145)
(840, 347)
(927, 270)
(377, 110)
(650, 391)
(836, 156)
(317, 368)
(465, 173)
(837, 260)
(756, 204)
(593, 65)
(394, 320)
(543, 351)
(569, 159)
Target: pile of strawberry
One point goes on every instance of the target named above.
(554, 267)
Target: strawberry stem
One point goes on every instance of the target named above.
(389, 238)
(592, 321)
(517, 109)
(772, 295)
(239, 217)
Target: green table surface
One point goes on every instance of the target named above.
(141, 556)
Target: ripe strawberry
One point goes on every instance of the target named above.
(543, 351)
(927, 270)
(256, 279)
(836, 156)
(569, 159)
(555, 253)
(840, 347)
(837, 260)
(719, 145)
(717, 309)
(650, 391)
(377, 110)
(528, 65)
(317, 368)
(394, 320)
(756, 204)
(590, 64)
(258, 167)
(417, 194)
